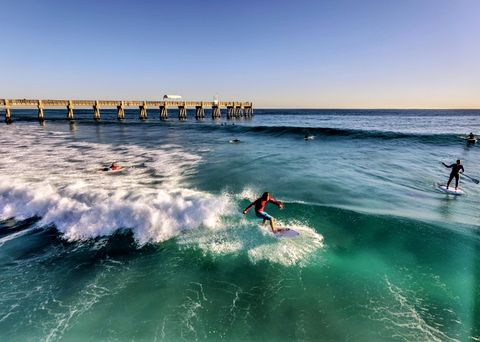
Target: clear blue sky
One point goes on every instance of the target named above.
(323, 54)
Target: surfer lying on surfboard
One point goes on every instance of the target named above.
(114, 167)
(260, 204)
(455, 172)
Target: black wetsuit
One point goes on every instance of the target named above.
(455, 173)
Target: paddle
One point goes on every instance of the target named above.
(476, 181)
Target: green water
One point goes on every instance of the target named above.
(163, 252)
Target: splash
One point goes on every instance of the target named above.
(258, 243)
(60, 181)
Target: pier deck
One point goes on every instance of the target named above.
(234, 109)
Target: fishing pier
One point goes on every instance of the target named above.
(234, 110)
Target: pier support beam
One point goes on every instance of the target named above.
(237, 112)
(8, 114)
(40, 111)
(182, 112)
(248, 112)
(70, 110)
(121, 111)
(199, 112)
(143, 111)
(230, 112)
(96, 111)
(216, 113)
(163, 112)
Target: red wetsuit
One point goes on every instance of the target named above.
(260, 204)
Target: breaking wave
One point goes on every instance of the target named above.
(83, 202)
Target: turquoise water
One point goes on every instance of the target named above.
(162, 251)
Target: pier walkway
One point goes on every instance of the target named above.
(234, 109)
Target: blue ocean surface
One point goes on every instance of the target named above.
(161, 251)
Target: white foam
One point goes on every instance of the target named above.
(257, 242)
(295, 251)
(50, 176)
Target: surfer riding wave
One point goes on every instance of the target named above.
(260, 204)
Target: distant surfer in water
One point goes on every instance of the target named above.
(113, 167)
(455, 172)
(471, 138)
(260, 204)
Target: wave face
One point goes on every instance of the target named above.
(325, 132)
(61, 182)
(381, 123)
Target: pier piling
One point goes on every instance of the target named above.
(216, 112)
(121, 111)
(248, 111)
(199, 112)
(182, 112)
(230, 112)
(96, 111)
(163, 112)
(70, 110)
(143, 111)
(8, 114)
(41, 118)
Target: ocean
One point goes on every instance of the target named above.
(162, 252)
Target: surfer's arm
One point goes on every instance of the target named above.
(274, 201)
(449, 166)
(248, 208)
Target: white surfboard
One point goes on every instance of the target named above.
(286, 233)
(118, 170)
(450, 190)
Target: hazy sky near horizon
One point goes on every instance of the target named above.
(302, 54)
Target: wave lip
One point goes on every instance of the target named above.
(338, 132)
(84, 214)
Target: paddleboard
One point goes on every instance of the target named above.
(450, 190)
(472, 141)
(286, 233)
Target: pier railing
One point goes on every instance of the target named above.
(234, 109)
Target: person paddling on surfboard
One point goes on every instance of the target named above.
(113, 167)
(260, 204)
(455, 172)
